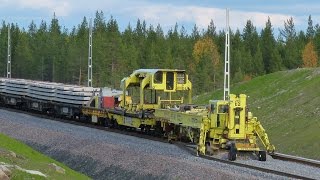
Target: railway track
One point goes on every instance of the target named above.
(188, 148)
(301, 160)
(265, 170)
(234, 163)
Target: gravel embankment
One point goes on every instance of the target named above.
(106, 155)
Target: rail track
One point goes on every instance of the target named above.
(234, 163)
(187, 147)
(301, 160)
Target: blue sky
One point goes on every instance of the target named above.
(166, 12)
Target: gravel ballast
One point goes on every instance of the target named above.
(106, 155)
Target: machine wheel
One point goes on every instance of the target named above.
(105, 122)
(114, 123)
(147, 129)
(232, 155)
(262, 155)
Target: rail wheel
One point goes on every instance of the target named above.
(147, 129)
(262, 155)
(232, 155)
(105, 122)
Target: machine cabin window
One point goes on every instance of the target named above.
(158, 77)
(223, 109)
(181, 79)
(170, 81)
(212, 106)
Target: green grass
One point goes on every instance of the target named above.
(288, 105)
(30, 159)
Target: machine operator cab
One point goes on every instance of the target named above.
(155, 88)
(234, 127)
(229, 115)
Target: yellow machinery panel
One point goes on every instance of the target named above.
(156, 87)
(192, 120)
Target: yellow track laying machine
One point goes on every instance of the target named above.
(153, 101)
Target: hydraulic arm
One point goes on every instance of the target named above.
(261, 133)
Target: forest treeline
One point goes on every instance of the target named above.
(50, 52)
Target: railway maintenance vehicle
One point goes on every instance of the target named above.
(154, 100)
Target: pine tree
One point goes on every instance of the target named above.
(211, 30)
(139, 39)
(271, 56)
(174, 46)
(3, 49)
(114, 58)
(151, 52)
(195, 34)
(292, 58)
(317, 40)
(100, 66)
(32, 43)
(186, 47)
(251, 44)
(130, 52)
(79, 48)
(237, 49)
(55, 63)
(14, 36)
(310, 30)
(42, 52)
(258, 65)
(24, 64)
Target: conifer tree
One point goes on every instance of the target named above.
(271, 56)
(3, 49)
(292, 58)
(251, 45)
(310, 30)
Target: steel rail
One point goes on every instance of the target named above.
(301, 160)
(234, 163)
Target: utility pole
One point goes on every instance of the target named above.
(9, 54)
(90, 56)
(226, 92)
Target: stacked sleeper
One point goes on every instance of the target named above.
(48, 91)
(2, 85)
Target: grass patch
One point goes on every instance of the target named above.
(288, 105)
(30, 159)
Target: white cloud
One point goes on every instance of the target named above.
(168, 15)
(60, 7)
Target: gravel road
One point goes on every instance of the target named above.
(106, 155)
